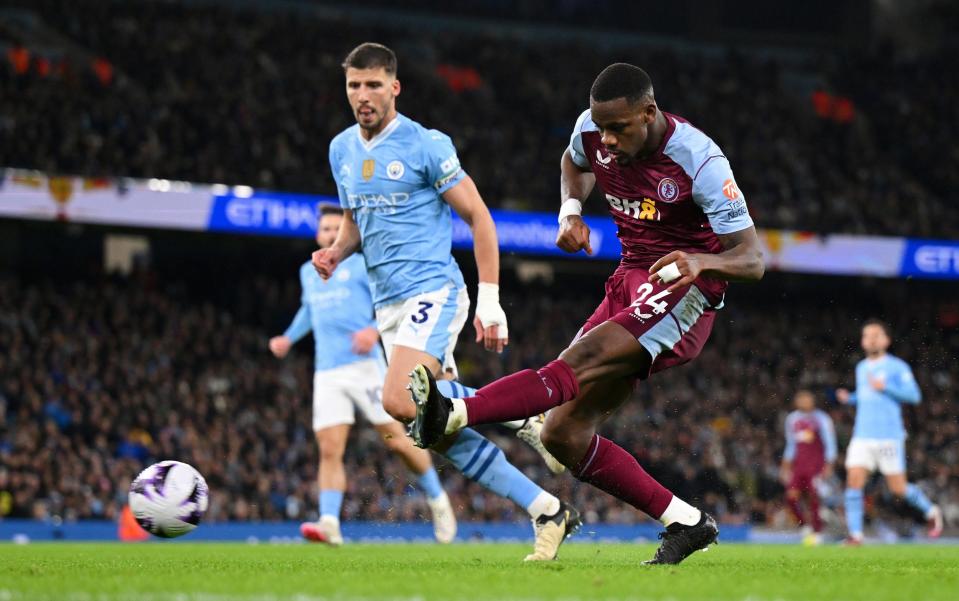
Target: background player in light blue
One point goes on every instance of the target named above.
(883, 384)
(349, 374)
(397, 182)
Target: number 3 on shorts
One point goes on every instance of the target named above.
(653, 301)
(422, 315)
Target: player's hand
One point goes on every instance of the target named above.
(280, 346)
(842, 395)
(574, 235)
(490, 319)
(689, 265)
(325, 261)
(878, 384)
(785, 475)
(364, 340)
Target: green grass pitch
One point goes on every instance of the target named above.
(217, 572)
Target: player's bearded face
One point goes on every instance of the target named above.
(372, 95)
(874, 340)
(327, 229)
(623, 127)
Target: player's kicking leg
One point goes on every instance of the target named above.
(483, 462)
(528, 430)
(570, 436)
(606, 355)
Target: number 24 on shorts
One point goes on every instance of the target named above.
(659, 307)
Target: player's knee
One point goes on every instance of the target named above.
(331, 452)
(582, 355)
(398, 404)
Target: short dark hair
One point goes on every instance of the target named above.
(621, 80)
(878, 322)
(329, 209)
(370, 55)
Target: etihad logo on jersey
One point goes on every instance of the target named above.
(644, 209)
(325, 298)
(379, 203)
(604, 161)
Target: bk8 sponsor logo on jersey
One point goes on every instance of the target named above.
(638, 209)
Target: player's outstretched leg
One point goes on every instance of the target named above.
(528, 430)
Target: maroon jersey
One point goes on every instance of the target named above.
(810, 441)
(679, 198)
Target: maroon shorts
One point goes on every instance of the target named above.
(803, 481)
(672, 326)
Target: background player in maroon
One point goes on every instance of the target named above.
(672, 194)
(809, 454)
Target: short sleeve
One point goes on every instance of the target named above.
(716, 193)
(442, 166)
(336, 169)
(576, 150)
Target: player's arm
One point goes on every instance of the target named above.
(902, 386)
(828, 432)
(740, 261)
(789, 453)
(365, 339)
(575, 184)
(300, 326)
(347, 242)
(490, 319)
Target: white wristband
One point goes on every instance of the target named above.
(669, 273)
(487, 293)
(488, 309)
(570, 206)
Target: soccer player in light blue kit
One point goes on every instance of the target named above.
(397, 182)
(883, 384)
(349, 375)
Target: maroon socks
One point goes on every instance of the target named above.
(523, 394)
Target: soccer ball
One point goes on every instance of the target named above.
(169, 498)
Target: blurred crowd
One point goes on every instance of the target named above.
(101, 376)
(859, 142)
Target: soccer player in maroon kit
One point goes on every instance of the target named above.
(685, 232)
(809, 454)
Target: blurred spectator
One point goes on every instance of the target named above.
(207, 93)
(139, 371)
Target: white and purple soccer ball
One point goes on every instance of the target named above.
(169, 498)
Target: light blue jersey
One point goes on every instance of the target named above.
(393, 185)
(334, 310)
(879, 414)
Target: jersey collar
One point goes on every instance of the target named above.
(375, 141)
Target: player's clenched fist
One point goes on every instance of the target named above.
(280, 346)
(573, 235)
(325, 261)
